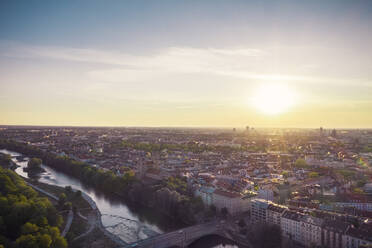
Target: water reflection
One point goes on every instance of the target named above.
(213, 241)
(128, 222)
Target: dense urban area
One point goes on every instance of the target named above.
(297, 187)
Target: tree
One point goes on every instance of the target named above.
(241, 223)
(5, 159)
(45, 241)
(78, 193)
(34, 164)
(358, 190)
(68, 189)
(224, 212)
(27, 241)
(67, 206)
(213, 209)
(301, 163)
(267, 236)
(59, 242)
(285, 174)
(313, 174)
(29, 228)
(25, 218)
(62, 199)
(360, 183)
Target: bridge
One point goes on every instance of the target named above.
(183, 237)
(180, 238)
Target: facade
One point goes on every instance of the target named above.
(291, 226)
(357, 204)
(333, 233)
(355, 238)
(311, 231)
(274, 214)
(206, 194)
(266, 193)
(308, 230)
(233, 202)
(259, 210)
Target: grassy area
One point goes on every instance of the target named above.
(96, 239)
(72, 197)
(78, 227)
(55, 190)
(64, 216)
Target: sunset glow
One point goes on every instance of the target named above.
(273, 99)
(170, 63)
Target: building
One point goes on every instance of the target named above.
(356, 237)
(291, 226)
(368, 188)
(233, 202)
(274, 213)
(206, 194)
(362, 205)
(311, 231)
(259, 210)
(333, 233)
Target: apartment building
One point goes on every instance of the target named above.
(259, 210)
(356, 237)
(291, 226)
(333, 233)
(311, 231)
(233, 202)
(274, 213)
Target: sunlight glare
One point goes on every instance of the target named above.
(273, 99)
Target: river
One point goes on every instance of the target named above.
(213, 241)
(128, 224)
(117, 218)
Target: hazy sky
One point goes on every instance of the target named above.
(184, 63)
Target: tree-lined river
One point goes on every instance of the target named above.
(117, 217)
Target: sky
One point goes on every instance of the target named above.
(186, 63)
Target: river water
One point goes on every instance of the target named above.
(213, 241)
(117, 217)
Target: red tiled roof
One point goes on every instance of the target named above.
(226, 194)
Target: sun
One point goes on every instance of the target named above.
(273, 99)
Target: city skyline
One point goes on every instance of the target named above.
(187, 64)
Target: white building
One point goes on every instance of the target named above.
(233, 202)
(357, 204)
(259, 210)
(333, 233)
(274, 213)
(291, 226)
(266, 193)
(311, 231)
(354, 238)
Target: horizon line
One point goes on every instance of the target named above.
(184, 127)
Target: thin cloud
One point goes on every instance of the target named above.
(238, 63)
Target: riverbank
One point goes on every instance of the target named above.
(77, 227)
(178, 204)
(129, 223)
(125, 228)
(79, 230)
